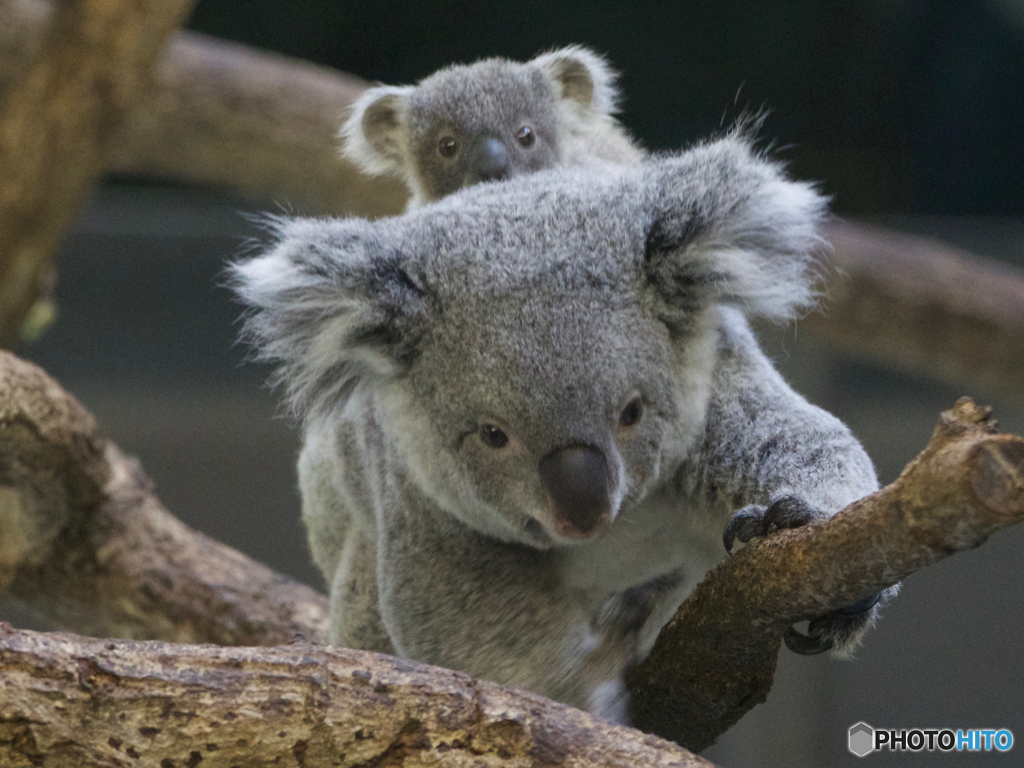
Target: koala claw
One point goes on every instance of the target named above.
(744, 525)
(836, 630)
(756, 520)
(861, 606)
(806, 645)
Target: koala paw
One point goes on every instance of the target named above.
(838, 631)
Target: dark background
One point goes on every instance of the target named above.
(910, 114)
(899, 105)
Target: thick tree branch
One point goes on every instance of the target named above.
(715, 660)
(58, 117)
(79, 701)
(86, 545)
(225, 115)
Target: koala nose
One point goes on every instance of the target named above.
(491, 160)
(577, 480)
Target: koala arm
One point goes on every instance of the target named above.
(763, 441)
(772, 460)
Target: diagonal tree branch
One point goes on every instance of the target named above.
(716, 659)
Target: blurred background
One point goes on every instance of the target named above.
(910, 113)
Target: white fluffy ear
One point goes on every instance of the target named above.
(375, 135)
(730, 228)
(332, 304)
(582, 78)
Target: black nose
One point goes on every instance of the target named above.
(577, 479)
(491, 160)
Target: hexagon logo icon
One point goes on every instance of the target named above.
(861, 739)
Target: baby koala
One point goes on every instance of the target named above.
(494, 119)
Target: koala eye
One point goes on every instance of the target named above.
(632, 413)
(526, 137)
(492, 436)
(447, 147)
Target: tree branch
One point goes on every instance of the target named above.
(86, 545)
(222, 114)
(78, 701)
(916, 304)
(716, 659)
(58, 118)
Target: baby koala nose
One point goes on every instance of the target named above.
(576, 478)
(491, 160)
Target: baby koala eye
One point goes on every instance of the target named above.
(447, 147)
(632, 413)
(526, 137)
(492, 436)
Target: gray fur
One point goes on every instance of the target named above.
(568, 97)
(543, 304)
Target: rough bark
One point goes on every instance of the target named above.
(715, 660)
(59, 115)
(83, 702)
(86, 545)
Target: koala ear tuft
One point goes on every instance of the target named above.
(730, 228)
(581, 77)
(375, 135)
(332, 304)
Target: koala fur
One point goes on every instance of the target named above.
(598, 323)
(567, 99)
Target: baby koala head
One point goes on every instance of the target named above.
(536, 354)
(494, 119)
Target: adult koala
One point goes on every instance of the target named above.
(531, 408)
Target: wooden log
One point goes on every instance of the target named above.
(68, 701)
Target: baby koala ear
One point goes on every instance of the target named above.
(375, 136)
(581, 77)
(728, 227)
(332, 304)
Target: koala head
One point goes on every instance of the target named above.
(494, 119)
(536, 353)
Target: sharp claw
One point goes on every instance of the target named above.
(806, 645)
(788, 512)
(744, 526)
(861, 606)
(728, 538)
